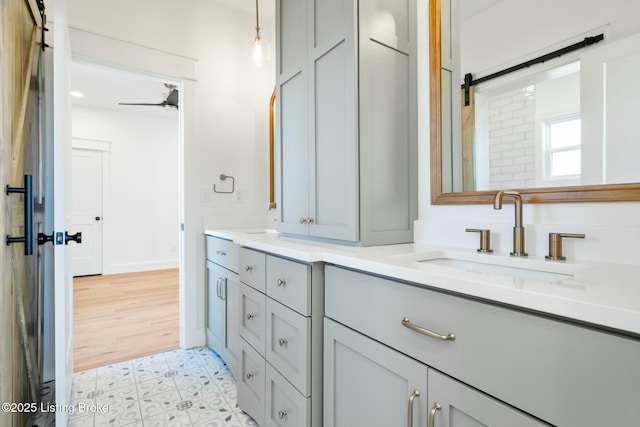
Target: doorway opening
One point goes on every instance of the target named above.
(126, 192)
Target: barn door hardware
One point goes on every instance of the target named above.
(470, 81)
(27, 190)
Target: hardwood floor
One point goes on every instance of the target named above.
(124, 316)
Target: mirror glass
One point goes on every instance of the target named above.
(566, 121)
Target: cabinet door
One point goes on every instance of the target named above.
(231, 347)
(292, 130)
(333, 119)
(453, 404)
(368, 384)
(215, 307)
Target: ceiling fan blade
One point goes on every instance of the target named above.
(162, 104)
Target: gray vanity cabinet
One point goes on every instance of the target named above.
(369, 384)
(346, 120)
(454, 404)
(223, 301)
(557, 371)
(281, 313)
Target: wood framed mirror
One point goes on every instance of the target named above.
(578, 193)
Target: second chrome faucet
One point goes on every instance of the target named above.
(518, 229)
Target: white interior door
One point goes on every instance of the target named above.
(61, 156)
(86, 211)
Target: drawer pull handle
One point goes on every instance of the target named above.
(251, 316)
(432, 414)
(249, 376)
(283, 342)
(416, 393)
(407, 324)
(281, 282)
(221, 253)
(248, 268)
(282, 414)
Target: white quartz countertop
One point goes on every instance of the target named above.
(601, 294)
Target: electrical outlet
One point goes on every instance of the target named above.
(239, 196)
(205, 195)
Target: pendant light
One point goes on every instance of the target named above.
(258, 50)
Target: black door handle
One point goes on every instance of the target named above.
(97, 218)
(27, 190)
(75, 237)
(44, 238)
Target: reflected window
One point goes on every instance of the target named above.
(563, 148)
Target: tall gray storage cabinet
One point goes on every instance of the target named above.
(346, 122)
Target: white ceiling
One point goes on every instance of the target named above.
(105, 87)
(267, 8)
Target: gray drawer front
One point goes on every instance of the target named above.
(285, 405)
(252, 383)
(289, 344)
(252, 268)
(289, 283)
(556, 370)
(223, 252)
(252, 317)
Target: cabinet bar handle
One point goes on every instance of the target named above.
(282, 342)
(282, 414)
(250, 316)
(416, 393)
(218, 287)
(221, 253)
(432, 414)
(407, 324)
(281, 282)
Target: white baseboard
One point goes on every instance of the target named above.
(137, 267)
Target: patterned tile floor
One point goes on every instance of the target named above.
(191, 388)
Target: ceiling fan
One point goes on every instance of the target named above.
(170, 100)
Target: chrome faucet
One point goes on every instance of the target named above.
(518, 230)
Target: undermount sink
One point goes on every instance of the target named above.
(518, 268)
(479, 267)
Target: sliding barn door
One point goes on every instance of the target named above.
(21, 299)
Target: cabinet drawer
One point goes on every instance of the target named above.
(223, 252)
(252, 268)
(289, 283)
(252, 317)
(289, 345)
(252, 382)
(556, 370)
(285, 405)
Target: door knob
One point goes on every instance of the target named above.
(44, 238)
(98, 218)
(75, 237)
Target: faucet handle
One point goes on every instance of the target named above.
(555, 245)
(485, 239)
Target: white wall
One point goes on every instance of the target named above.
(612, 229)
(140, 217)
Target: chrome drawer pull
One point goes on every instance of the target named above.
(249, 376)
(281, 282)
(407, 324)
(221, 253)
(283, 342)
(248, 268)
(250, 316)
(416, 393)
(432, 414)
(282, 414)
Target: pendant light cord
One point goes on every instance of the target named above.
(257, 23)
